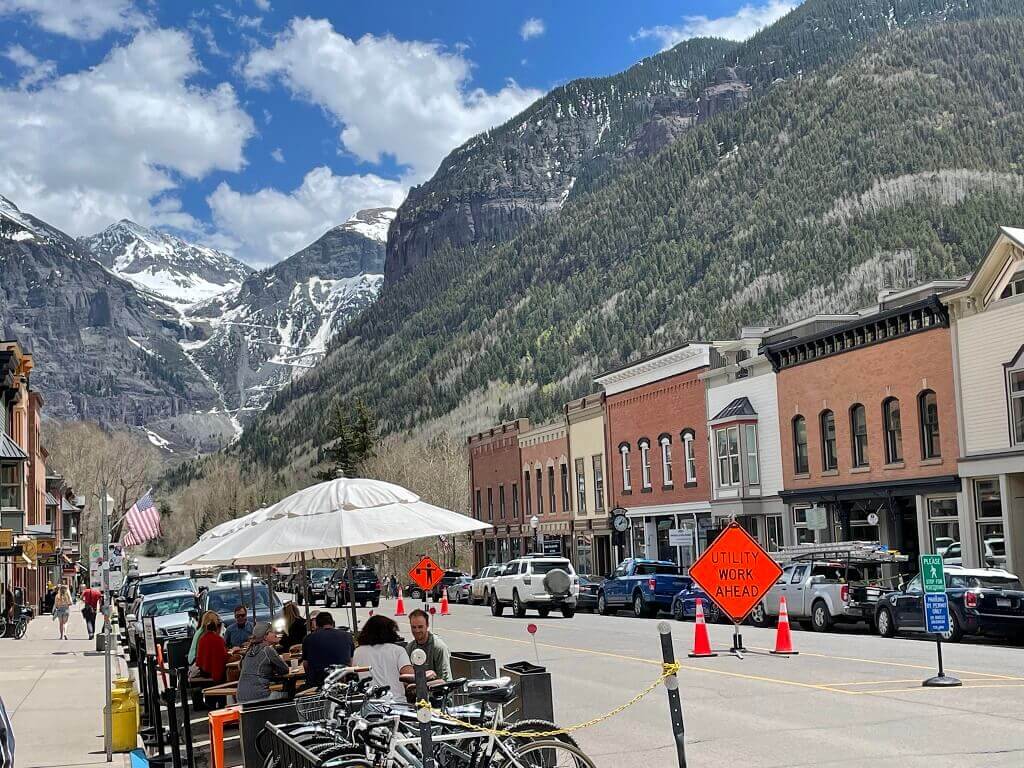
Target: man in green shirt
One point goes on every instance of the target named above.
(439, 658)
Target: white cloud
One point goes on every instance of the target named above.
(407, 99)
(34, 70)
(268, 225)
(115, 141)
(78, 19)
(277, 154)
(263, 5)
(532, 28)
(747, 20)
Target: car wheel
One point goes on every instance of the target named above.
(956, 632)
(496, 607)
(759, 616)
(567, 612)
(518, 609)
(712, 613)
(544, 612)
(639, 609)
(884, 623)
(602, 605)
(677, 610)
(821, 617)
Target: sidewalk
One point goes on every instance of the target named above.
(53, 690)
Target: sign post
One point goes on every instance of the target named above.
(936, 614)
(735, 572)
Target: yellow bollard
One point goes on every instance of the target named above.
(124, 716)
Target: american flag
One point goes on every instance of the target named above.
(142, 522)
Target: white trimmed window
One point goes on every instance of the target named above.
(689, 458)
(1016, 390)
(645, 463)
(750, 453)
(627, 484)
(727, 442)
(666, 459)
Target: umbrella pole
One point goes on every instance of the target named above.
(252, 596)
(351, 589)
(302, 586)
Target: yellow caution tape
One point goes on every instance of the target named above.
(668, 670)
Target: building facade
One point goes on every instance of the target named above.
(494, 477)
(657, 452)
(988, 343)
(547, 489)
(743, 427)
(589, 498)
(868, 427)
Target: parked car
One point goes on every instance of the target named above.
(540, 582)
(647, 586)
(589, 586)
(819, 594)
(365, 581)
(684, 603)
(318, 578)
(233, 576)
(459, 591)
(175, 613)
(995, 553)
(982, 601)
(447, 582)
(480, 589)
(224, 598)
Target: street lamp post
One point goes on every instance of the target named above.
(105, 501)
(535, 525)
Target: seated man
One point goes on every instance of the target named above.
(439, 658)
(237, 634)
(326, 647)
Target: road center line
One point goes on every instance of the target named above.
(902, 664)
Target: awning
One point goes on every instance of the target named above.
(881, 489)
(67, 506)
(10, 450)
(51, 500)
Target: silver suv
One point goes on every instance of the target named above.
(539, 582)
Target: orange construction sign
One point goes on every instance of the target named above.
(426, 573)
(735, 572)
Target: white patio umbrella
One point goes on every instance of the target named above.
(338, 518)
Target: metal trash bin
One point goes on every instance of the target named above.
(533, 699)
(475, 666)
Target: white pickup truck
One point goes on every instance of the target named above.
(819, 594)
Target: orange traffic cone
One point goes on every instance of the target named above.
(783, 640)
(701, 639)
(400, 608)
(444, 601)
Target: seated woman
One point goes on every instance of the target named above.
(295, 628)
(204, 622)
(212, 652)
(261, 666)
(379, 646)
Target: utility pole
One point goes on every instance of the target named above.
(105, 540)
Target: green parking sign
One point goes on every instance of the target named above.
(932, 577)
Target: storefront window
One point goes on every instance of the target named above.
(804, 535)
(860, 528)
(774, 536)
(989, 513)
(665, 550)
(943, 525)
(639, 540)
(584, 555)
(491, 552)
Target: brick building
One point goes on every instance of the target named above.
(656, 450)
(494, 477)
(544, 459)
(867, 415)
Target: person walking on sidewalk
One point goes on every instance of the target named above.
(61, 608)
(92, 598)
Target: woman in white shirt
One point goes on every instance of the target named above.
(380, 647)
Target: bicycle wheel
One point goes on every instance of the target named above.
(549, 754)
(348, 762)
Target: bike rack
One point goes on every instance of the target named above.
(288, 752)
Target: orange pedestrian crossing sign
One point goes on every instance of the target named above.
(426, 573)
(735, 572)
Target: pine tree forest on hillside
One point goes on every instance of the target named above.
(891, 168)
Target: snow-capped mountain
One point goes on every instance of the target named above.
(177, 271)
(278, 322)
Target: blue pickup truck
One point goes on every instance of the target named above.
(646, 586)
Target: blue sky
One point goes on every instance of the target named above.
(256, 125)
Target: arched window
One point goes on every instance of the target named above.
(829, 456)
(627, 485)
(893, 430)
(689, 457)
(645, 462)
(859, 435)
(800, 466)
(928, 410)
(666, 459)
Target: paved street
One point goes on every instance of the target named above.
(847, 699)
(53, 690)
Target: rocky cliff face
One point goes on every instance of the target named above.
(177, 271)
(278, 322)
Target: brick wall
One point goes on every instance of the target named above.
(495, 464)
(549, 449)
